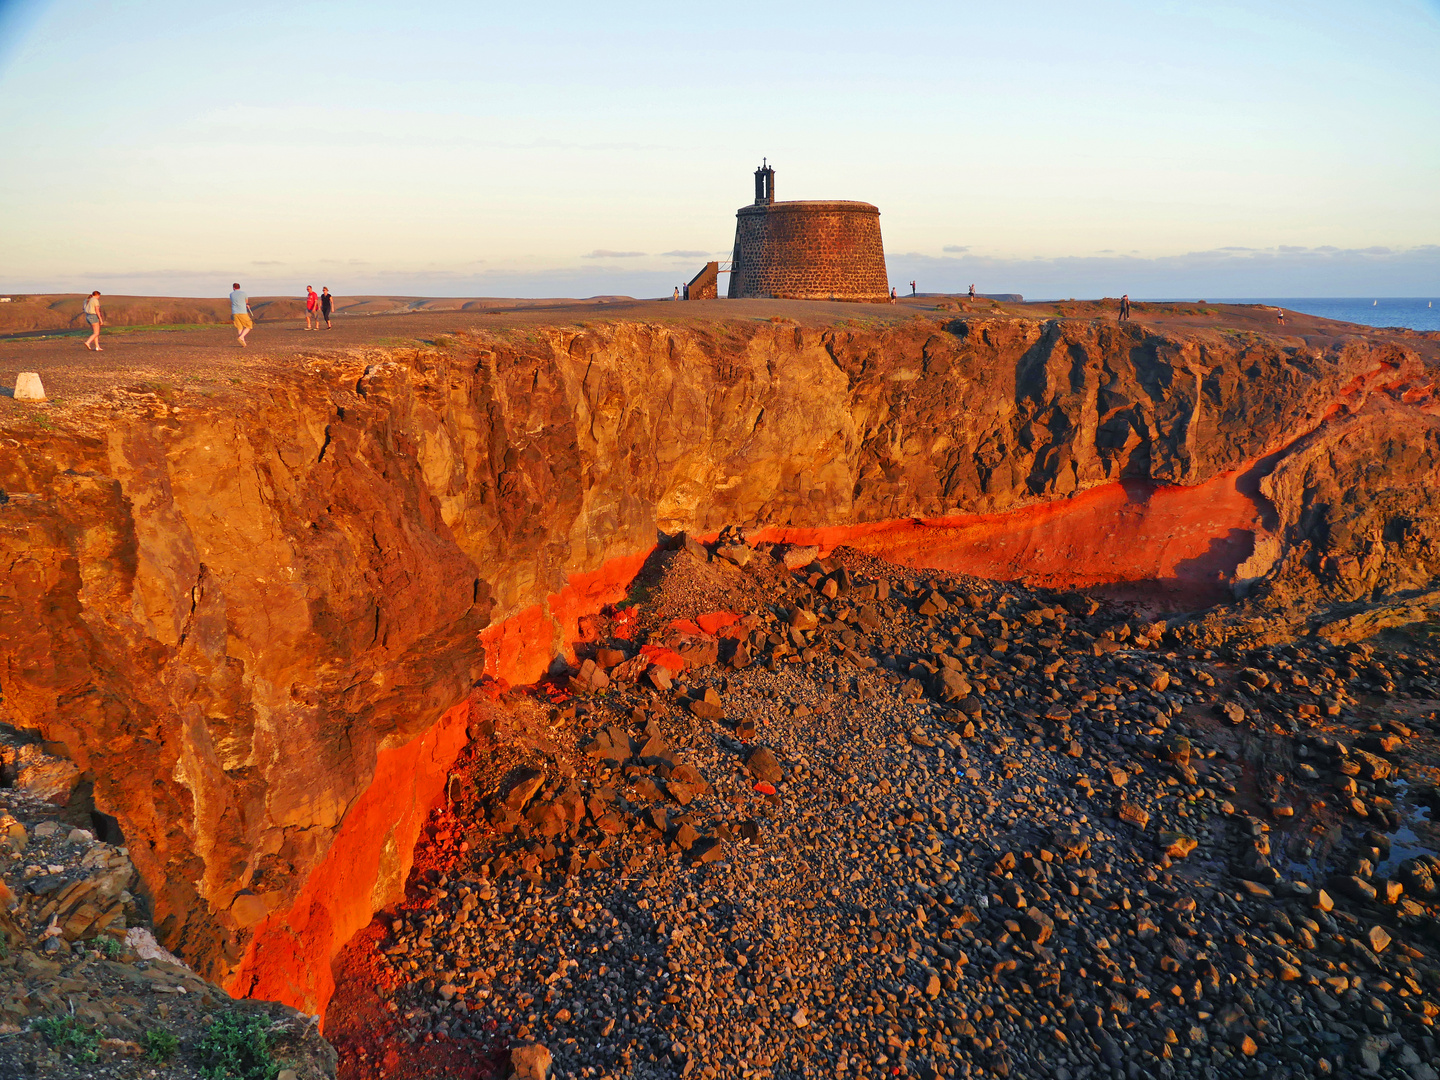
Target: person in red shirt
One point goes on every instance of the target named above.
(312, 307)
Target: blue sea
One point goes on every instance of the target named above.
(1422, 313)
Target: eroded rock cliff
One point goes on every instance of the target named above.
(253, 616)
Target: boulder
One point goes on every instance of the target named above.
(610, 744)
(521, 787)
(608, 658)
(1177, 845)
(1372, 766)
(763, 765)
(247, 908)
(1176, 749)
(1133, 814)
(1036, 925)
(803, 619)
(735, 554)
(794, 556)
(531, 1061)
(1418, 879)
(951, 685)
(709, 706)
(934, 603)
(1356, 888)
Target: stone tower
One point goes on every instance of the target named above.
(807, 250)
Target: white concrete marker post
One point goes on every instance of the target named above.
(28, 387)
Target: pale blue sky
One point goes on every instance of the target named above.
(1278, 148)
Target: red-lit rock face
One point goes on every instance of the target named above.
(255, 625)
(1178, 546)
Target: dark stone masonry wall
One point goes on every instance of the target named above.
(809, 251)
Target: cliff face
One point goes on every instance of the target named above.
(253, 619)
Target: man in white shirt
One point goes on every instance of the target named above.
(240, 313)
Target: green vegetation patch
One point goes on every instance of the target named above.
(160, 1045)
(109, 947)
(65, 1033)
(145, 327)
(237, 1048)
(106, 330)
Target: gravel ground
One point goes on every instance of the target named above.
(964, 829)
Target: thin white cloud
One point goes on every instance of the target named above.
(605, 253)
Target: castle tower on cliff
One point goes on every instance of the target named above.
(807, 250)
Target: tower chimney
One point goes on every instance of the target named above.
(764, 184)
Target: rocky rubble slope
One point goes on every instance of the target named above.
(250, 615)
(877, 823)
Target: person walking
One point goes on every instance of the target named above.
(96, 318)
(312, 307)
(677, 293)
(1125, 308)
(327, 304)
(892, 294)
(1280, 311)
(240, 313)
(972, 292)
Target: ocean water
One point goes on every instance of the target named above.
(1422, 313)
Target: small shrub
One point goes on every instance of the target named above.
(109, 947)
(237, 1048)
(67, 1033)
(160, 1045)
